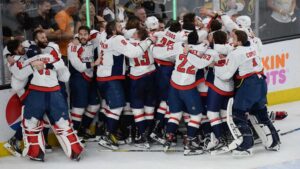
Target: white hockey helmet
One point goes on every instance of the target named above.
(129, 33)
(244, 21)
(152, 23)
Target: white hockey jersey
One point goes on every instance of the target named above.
(244, 59)
(80, 58)
(46, 80)
(19, 78)
(187, 73)
(53, 49)
(166, 38)
(112, 52)
(93, 38)
(141, 65)
(62, 72)
(223, 87)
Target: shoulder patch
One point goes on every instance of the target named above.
(124, 42)
(73, 48)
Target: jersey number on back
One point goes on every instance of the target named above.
(142, 61)
(165, 42)
(180, 68)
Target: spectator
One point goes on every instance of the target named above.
(161, 24)
(232, 7)
(15, 21)
(66, 24)
(282, 21)
(45, 20)
(102, 4)
(114, 12)
(141, 14)
(131, 6)
(95, 20)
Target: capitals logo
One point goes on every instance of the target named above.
(13, 112)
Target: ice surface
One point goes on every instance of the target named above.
(287, 158)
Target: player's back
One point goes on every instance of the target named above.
(112, 61)
(168, 37)
(185, 72)
(141, 64)
(248, 60)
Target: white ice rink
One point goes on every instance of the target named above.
(287, 158)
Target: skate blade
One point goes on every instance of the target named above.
(166, 148)
(109, 146)
(128, 140)
(241, 154)
(77, 158)
(95, 139)
(122, 142)
(275, 148)
(9, 148)
(192, 153)
(48, 150)
(157, 139)
(219, 152)
(173, 144)
(37, 159)
(143, 146)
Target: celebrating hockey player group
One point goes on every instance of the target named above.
(141, 83)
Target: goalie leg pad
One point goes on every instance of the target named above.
(240, 120)
(270, 132)
(34, 143)
(68, 139)
(235, 131)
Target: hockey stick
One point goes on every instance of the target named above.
(289, 132)
(216, 152)
(141, 151)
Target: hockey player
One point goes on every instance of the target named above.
(142, 89)
(191, 22)
(15, 55)
(45, 96)
(15, 52)
(84, 95)
(219, 93)
(111, 73)
(183, 94)
(165, 67)
(250, 95)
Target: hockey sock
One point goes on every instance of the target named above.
(193, 125)
(205, 126)
(113, 116)
(140, 120)
(160, 113)
(215, 122)
(173, 122)
(89, 115)
(76, 115)
(149, 116)
(45, 132)
(19, 135)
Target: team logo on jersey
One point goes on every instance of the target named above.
(13, 112)
(124, 42)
